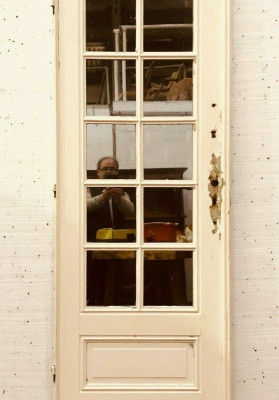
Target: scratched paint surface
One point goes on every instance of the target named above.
(27, 167)
(27, 205)
(255, 200)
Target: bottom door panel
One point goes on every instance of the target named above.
(139, 363)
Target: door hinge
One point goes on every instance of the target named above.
(53, 7)
(53, 372)
(54, 190)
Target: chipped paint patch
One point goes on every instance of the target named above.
(215, 191)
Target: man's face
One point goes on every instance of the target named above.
(108, 169)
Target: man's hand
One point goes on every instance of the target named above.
(117, 193)
(114, 193)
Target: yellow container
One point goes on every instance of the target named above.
(116, 235)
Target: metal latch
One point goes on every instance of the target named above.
(53, 372)
(54, 190)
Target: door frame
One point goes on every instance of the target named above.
(65, 176)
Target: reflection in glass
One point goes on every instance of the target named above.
(168, 25)
(111, 212)
(110, 25)
(168, 278)
(168, 214)
(168, 87)
(111, 139)
(111, 278)
(168, 151)
(110, 87)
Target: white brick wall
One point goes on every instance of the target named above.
(27, 205)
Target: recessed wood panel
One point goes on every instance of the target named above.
(139, 363)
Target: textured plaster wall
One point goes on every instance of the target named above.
(27, 168)
(27, 165)
(255, 200)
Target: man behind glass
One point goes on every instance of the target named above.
(107, 207)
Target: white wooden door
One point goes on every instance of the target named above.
(143, 316)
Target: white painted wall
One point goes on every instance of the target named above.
(27, 165)
(164, 146)
(27, 206)
(255, 199)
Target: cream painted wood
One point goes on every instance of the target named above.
(195, 336)
(144, 362)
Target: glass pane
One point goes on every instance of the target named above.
(111, 139)
(168, 25)
(168, 87)
(110, 25)
(110, 87)
(168, 278)
(111, 278)
(111, 212)
(168, 214)
(168, 151)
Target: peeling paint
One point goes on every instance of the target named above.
(215, 191)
